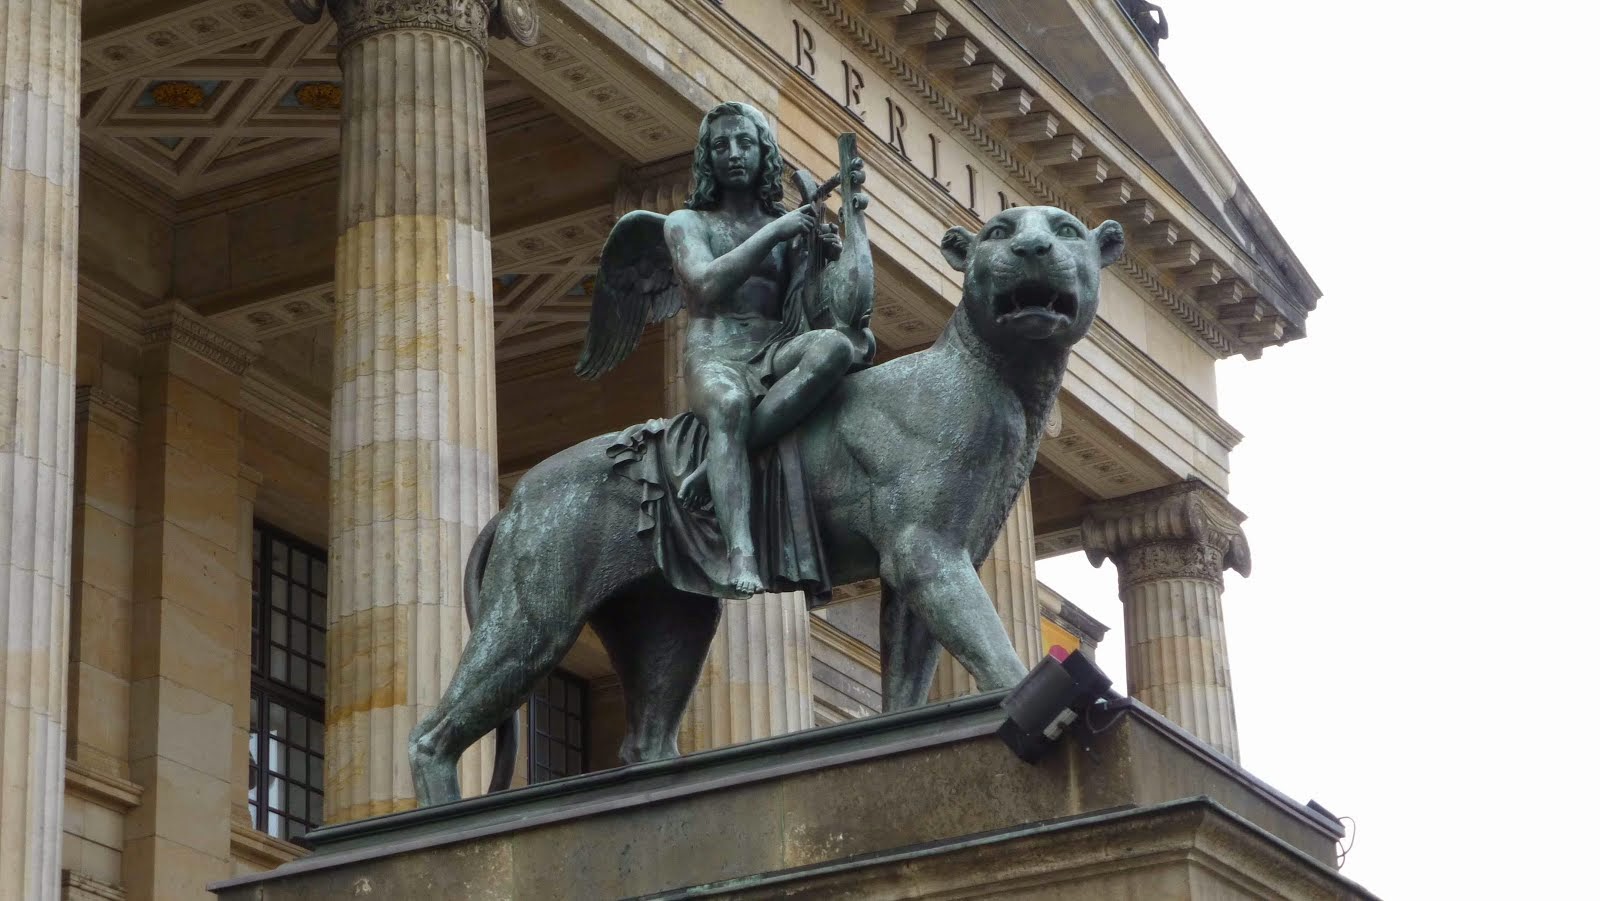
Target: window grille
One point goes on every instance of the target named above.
(288, 681)
(558, 733)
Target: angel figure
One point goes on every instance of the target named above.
(778, 305)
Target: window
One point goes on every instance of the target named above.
(556, 737)
(288, 676)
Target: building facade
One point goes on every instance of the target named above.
(290, 297)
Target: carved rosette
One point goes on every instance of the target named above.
(474, 21)
(1181, 531)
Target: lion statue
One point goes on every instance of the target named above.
(917, 462)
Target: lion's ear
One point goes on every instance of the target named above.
(1110, 238)
(957, 247)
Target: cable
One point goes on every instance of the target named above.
(1344, 849)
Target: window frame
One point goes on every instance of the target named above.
(266, 691)
(567, 681)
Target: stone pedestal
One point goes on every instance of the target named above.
(923, 803)
(1009, 577)
(39, 76)
(412, 443)
(1171, 546)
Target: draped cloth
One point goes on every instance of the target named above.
(689, 546)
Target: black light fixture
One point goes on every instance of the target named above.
(1059, 690)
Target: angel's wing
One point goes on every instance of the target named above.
(636, 284)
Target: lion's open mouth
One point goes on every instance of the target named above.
(1032, 300)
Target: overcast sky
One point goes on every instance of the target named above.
(1418, 645)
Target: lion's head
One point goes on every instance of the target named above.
(1033, 273)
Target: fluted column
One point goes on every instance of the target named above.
(413, 461)
(757, 677)
(38, 337)
(1008, 575)
(1171, 546)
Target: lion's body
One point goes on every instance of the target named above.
(913, 466)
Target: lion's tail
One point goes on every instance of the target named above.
(505, 734)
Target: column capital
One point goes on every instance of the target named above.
(475, 21)
(1187, 513)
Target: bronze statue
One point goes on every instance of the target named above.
(903, 471)
(754, 365)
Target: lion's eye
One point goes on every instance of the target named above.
(1067, 230)
(997, 231)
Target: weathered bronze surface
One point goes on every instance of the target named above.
(904, 471)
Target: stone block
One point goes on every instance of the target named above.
(158, 869)
(186, 647)
(99, 711)
(180, 805)
(181, 725)
(107, 551)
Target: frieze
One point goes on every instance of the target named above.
(175, 323)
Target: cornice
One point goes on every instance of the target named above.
(265, 187)
(175, 323)
(260, 848)
(107, 791)
(836, 639)
(95, 404)
(109, 312)
(113, 177)
(848, 25)
(1186, 511)
(279, 403)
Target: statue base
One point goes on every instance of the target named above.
(905, 804)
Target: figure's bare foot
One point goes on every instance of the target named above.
(744, 576)
(695, 492)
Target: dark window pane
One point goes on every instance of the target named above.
(297, 765)
(280, 556)
(319, 646)
(280, 628)
(299, 605)
(280, 665)
(297, 729)
(298, 642)
(297, 570)
(280, 593)
(316, 737)
(316, 808)
(319, 610)
(277, 720)
(297, 672)
(574, 697)
(319, 575)
(316, 685)
(316, 779)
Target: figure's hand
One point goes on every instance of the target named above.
(796, 222)
(828, 240)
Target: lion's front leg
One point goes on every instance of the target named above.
(940, 586)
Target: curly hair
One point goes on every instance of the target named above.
(769, 171)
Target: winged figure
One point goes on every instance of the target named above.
(778, 305)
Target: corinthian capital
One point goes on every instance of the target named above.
(474, 20)
(1170, 518)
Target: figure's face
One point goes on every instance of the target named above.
(735, 152)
